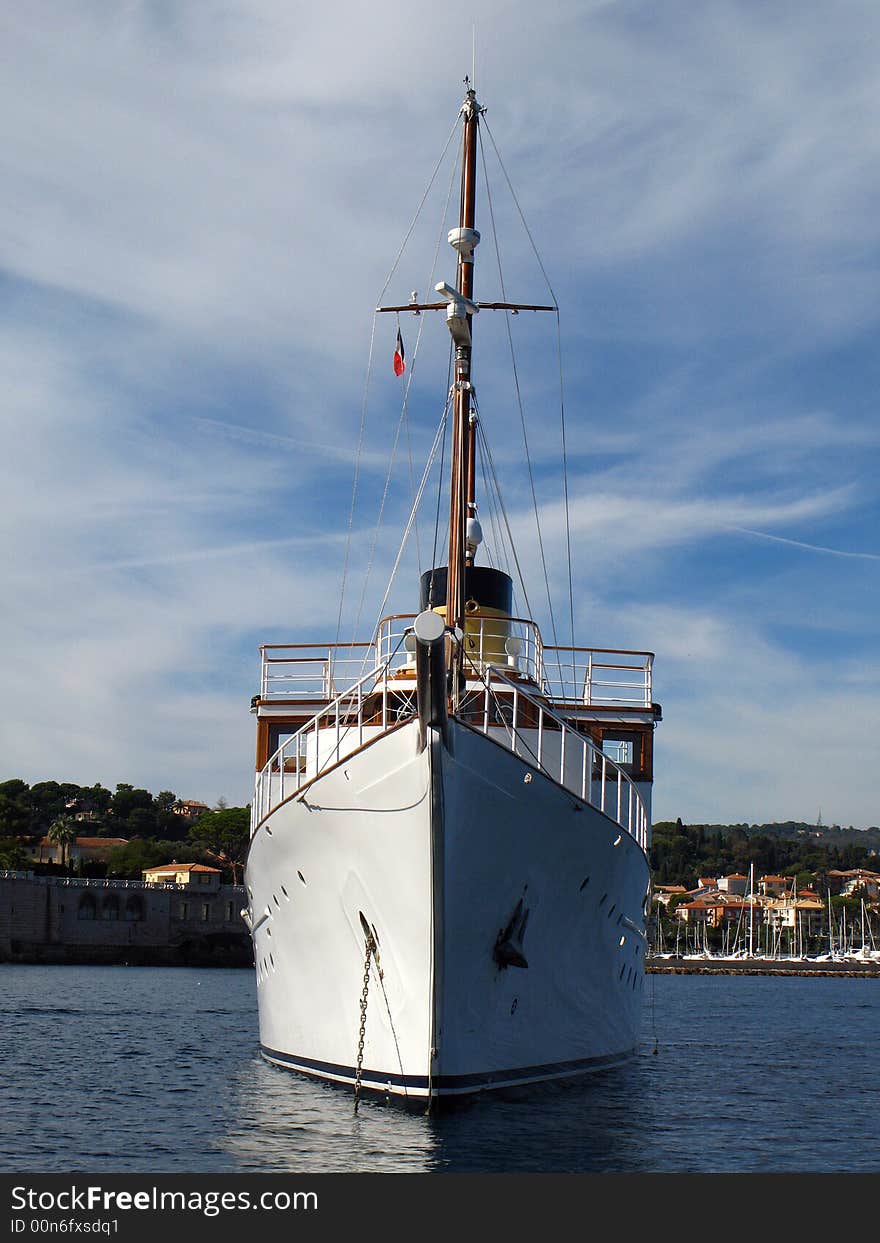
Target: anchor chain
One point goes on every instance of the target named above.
(371, 950)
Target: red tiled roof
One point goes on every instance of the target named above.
(183, 867)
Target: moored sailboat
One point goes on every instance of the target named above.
(448, 875)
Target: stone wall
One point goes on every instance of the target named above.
(52, 919)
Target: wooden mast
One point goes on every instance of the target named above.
(462, 472)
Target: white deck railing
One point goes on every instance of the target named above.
(497, 706)
(544, 739)
(574, 676)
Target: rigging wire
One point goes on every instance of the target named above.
(404, 415)
(439, 438)
(354, 489)
(497, 539)
(521, 412)
(375, 536)
(442, 461)
(418, 210)
(555, 301)
(430, 285)
(565, 488)
(488, 453)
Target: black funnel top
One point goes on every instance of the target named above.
(492, 589)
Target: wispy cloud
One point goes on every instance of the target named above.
(200, 207)
(794, 543)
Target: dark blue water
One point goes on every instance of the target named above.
(119, 1070)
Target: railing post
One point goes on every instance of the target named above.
(486, 705)
(360, 712)
(585, 757)
(619, 794)
(562, 732)
(515, 720)
(604, 772)
(540, 736)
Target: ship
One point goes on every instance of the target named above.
(448, 878)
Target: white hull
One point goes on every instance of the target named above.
(435, 850)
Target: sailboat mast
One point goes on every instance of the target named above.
(464, 240)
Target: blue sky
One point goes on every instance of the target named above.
(201, 205)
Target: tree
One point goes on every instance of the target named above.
(138, 854)
(12, 855)
(226, 834)
(62, 832)
(49, 802)
(16, 813)
(133, 810)
(127, 798)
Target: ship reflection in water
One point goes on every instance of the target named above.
(281, 1122)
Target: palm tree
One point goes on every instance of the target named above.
(63, 833)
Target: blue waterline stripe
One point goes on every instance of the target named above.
(449, 1083)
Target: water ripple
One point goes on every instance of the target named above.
(117, 1070)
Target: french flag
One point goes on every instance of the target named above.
(399, 356)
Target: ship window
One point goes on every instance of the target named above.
(87, 907)
(620, 749)
(278, 737)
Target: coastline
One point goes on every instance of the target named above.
(657, 965)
